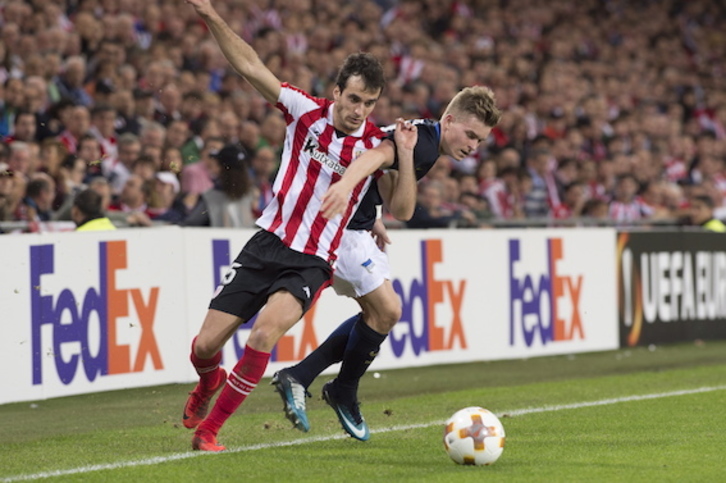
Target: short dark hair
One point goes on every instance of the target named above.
(23, 112)
(36, 187)
(706, 200)
(364, 65)
(89, 203)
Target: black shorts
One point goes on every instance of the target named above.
(265, 266)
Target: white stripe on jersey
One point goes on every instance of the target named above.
(313, 157)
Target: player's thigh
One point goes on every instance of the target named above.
(217, 328)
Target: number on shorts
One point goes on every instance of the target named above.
(230, 274)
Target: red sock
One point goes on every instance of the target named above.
(240, 383)
(208, 369)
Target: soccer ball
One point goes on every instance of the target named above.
(474, 436)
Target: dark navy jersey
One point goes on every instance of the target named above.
(425, 154)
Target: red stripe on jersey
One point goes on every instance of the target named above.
(346, 157)
(357, 193)
(313, 172)
(301, 132)
(318, 225)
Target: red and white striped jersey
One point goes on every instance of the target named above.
(314, 156)
(635, 210)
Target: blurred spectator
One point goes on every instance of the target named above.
(24, 128)
(164, 201)
(167, 108)
(69, 182)
(543, 195)
(230, 202)
(229, 126)
(153, 134)
(701, 214)
(626, 206)
(262, 173)
(20, 159)
(478, 206)
(145, 167)
(37, 205)
(70, 81)
(133, 197)
(12, 101)
(103, 128)
(177, 134)
(573, 201)
(431, 213)
(124, 102)
(88, 150)
(595, 208)
(272, 132)
(87, 212)
(192, 149)
(196, 178)
(77, 122)
(8, 201)
(171, 159)
(118, 170)
(582, 80)
(250, 136)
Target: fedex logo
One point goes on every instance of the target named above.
(547, 303)
(289, 347)
(73, 317)
(433, 333)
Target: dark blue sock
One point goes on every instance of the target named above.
(363, 346)
(328, 353)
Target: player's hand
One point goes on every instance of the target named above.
(335, 201)
(201, 6)
(380, 234)
(406, 134)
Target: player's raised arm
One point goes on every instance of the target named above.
(398, 187)
(240, 55)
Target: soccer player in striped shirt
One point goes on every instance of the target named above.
(285, 265)
(362, 271)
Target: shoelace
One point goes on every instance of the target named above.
(298, 395)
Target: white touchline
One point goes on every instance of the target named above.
(195, 454)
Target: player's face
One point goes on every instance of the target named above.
(461, 136)
(353, 105)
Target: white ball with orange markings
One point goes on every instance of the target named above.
(474, 436)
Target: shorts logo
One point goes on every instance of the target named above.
(369, 265)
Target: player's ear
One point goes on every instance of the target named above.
(336, 92)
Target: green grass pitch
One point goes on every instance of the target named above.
(628, 415)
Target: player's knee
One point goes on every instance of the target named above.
(204, 348)
(385, 318)
(263, 337)
(391, 316)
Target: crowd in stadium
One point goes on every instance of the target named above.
(613, 109)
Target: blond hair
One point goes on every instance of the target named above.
(478, 101)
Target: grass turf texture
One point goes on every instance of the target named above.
(675, 438)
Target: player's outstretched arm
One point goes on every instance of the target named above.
(335, 200)
(398, 188)
(240, 55)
